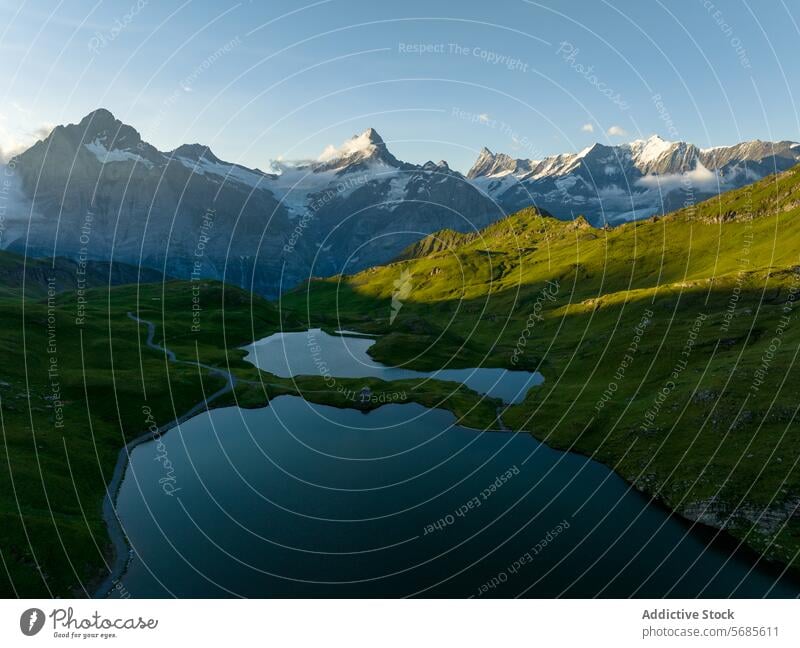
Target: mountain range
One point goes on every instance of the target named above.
(613, 184)
(97, 190)
(660, 342)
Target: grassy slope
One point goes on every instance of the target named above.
(64, 275)
(721, 447)
(53, 539)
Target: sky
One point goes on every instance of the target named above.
(258, 81)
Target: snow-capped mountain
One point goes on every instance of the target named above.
(366, 205)
(610, 184)
(97, 190)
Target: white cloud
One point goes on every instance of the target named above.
(617, 131)
(12, 144)
(9, 147)
(357, 144)
(588, 128)
(699, 178)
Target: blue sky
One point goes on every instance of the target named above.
(436, 79)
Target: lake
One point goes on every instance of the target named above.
(298, 499)
(314, 352)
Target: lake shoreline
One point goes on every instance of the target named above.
(121, 548)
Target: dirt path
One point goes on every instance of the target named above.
(119, 541)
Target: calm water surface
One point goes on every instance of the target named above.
(304, 500)
(314, 352)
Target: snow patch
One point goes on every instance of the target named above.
(398, 189)
(650, 150)
(230, 172)
(300, 186)
(103, 155)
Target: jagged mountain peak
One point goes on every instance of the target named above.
(102, 125)
(195, 152)
(367, 146)
(99, 118)
(655, 138)
(489, 163)
(590, 151)
(371, 135)
(614, 183)
(99, 137)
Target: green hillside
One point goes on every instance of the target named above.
(35, 277)
(605, 315)
(669, 346)
(75, 389)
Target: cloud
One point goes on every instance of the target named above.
(358, 144)
(330, 152)
(9, 147)
(617, 131)
(41, 132)
(588, 128)
(12, 144)
(699, 178)
(483, 118)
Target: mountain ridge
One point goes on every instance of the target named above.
(613, 184)
(353, 207)
(658, 340)
(270, 230)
